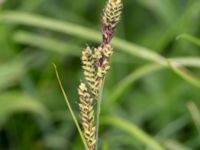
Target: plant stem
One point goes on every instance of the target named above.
(98, 115)
(70, 109)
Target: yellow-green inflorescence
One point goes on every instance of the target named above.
(95, 67)
(89, 69)
(112, 13)
(87, 115)
(111, 17)
(95, 64)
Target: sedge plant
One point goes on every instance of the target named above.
(95, 64)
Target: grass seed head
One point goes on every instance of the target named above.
(87, 115)
(111, 17)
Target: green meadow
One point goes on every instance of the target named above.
(151, 95)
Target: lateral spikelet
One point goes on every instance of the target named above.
(88, 66)
(89, 69)
(103, 62)
(87, 115)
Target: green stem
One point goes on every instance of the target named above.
(70, 109)
(98, 116)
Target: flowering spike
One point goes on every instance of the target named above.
(88, 66)
(87, 115)
(103, 62)
(111, 17)
(95, 66)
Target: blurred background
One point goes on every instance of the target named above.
(146, 105)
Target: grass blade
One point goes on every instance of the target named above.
(195, 114)
(147, 69)
(46, 43)
(185, 74)
(187, 61)
(51, 24)
(83, 32)
(133, 130)
(173, 127)
(121, 87)
(11, 72)
(13, 102)
(173, 145)
(189, 38)
(79, 31)
(70, 108)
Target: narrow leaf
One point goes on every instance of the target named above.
(70, 108)
(133, 130)
(195, 113)
(15, 102)
(185, 74)
(50, 44)
(189, 38)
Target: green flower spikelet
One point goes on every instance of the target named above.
(112, 13)
(87, 115)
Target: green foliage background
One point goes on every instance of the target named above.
(149, 102)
